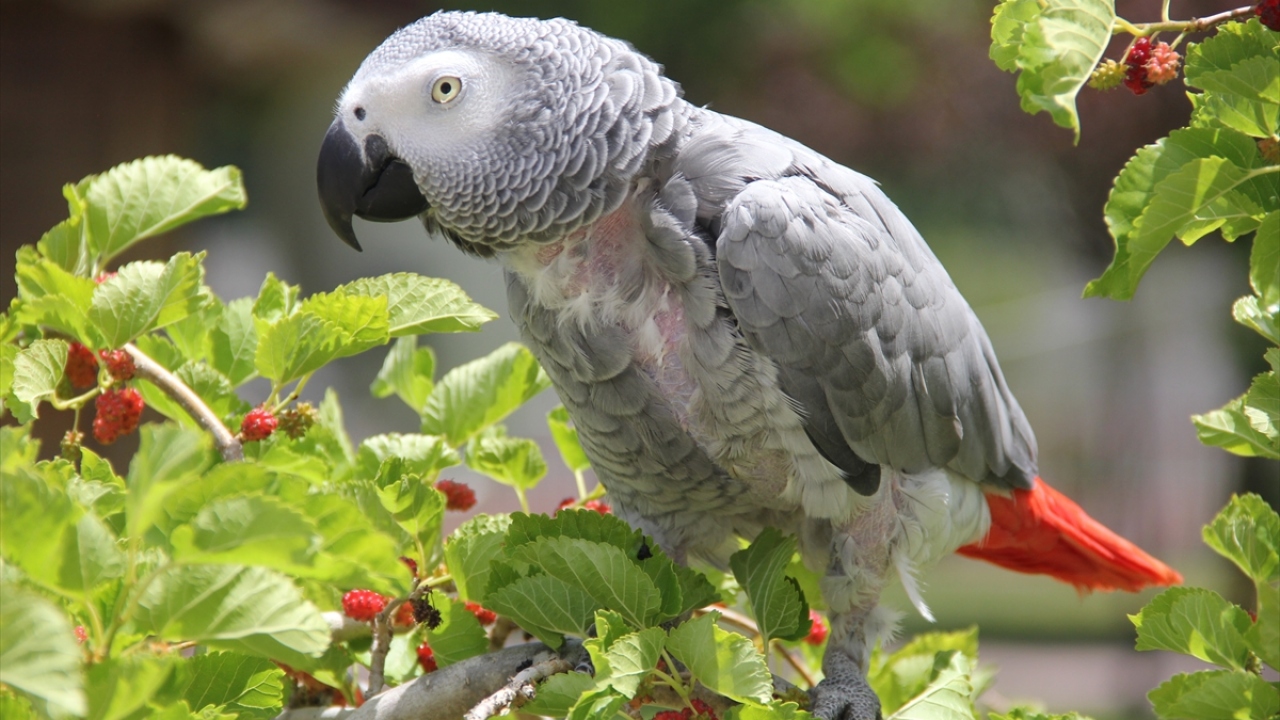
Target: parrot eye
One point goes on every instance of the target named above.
(446, 89)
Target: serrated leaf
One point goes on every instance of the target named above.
(1247, 532)
(776, 600)
(147, 295)
(191, 335)
(146, 197)
(514, 462)
(775, 710)
(1215, 695)
(546, 606)
(1264, 636)
(1264, 264)
(38, 652)
(1231, 429)
(725, 662)
(37, 370)
(248, 686)
(1262, 407)
(475, 395)
(52, 297)
(408, 371)
(168, 458)
(1027, 714)
(558, 694)
(1249, 313)
(1196, 622)
(295, 345)
(948, 696)
(1058, 43)
(909, 670)
(361, 322)
(248, 530)
(245, 609)
(470, 551)
(580, 524)
(458, 636)
(419, 305)
(566, 439)
(627, 660)
(597, 704)
(603, 571)
(418, 508)
(64, 245)
(1237, 68)
(234, 342)
(123, 687)
(354, 553)
(276, 299)
(424, 455)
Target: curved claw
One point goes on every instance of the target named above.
(845, 693)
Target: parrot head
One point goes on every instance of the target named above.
(495, 130)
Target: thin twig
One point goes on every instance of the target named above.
(155, 373)
(796, 664)
(519, 686)
(1185, 26)
(382, 630)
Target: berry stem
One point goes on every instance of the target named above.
(1182, 26)
(76, 402)
(155, 373)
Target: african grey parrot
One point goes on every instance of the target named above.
(745, 333)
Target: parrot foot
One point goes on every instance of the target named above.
(844, 694)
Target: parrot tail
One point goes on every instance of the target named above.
(1042, 531)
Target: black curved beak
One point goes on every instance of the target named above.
(375, 184)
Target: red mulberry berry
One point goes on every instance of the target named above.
(258, 425)
(119, 363)
(82, 366)
(1135, 77)
(1268, 12)
(486, 617)
(426, 658)
(672, 715)
(458, 496)
(703, 711)
(567, 502)
(410, 563)
(118, 412)
(404, 616)
(818, 630)
(363, 605)
(598, 505)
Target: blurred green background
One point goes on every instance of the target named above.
(902, 91)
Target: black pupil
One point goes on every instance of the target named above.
(446, 88)
(359, 113)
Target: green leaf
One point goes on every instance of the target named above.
(38, 652)
(1247, 312)
(235, 341)
(474, 396)
(776, 600)
(580, 524)
(1264, 264)
(626, 661)
(775, 710)
(546, 606)
(418, 508)
(146, 197)
(419, 305)
(354, 551)
(53, 297)
(1264, 636)
(245, 609)
(295, 346)
(123, 687)
(558, 693)
(458, 636)
(37, 370)
(725, 662)
(471, 549)
(1196, 622)
(64, 245)
(1239, 70)
(276, 299)
(908, 671)
(424, 455)
(1215, 695)
(603, 571)
(1233, 429)
(362, 322)
(597, 704)
(566, 439)
(1247, 532)
(514, 462)
(191, 335)
(248, 530)
(1027, 714)
(1057, 44)
(147, 295)
(1174, 202)
(408, 371)
(168, 458)
(948, 696)
(248, 686)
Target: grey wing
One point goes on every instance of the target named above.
(828, 279)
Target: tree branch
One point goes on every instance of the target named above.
(1184, 26)
(519, 686)
(156, 374)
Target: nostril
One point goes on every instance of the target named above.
(360, 113)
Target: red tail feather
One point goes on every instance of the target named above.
(1042, 531)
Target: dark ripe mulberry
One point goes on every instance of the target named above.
(1268, 12)
(426, 613)
(458, 496)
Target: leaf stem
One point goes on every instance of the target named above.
(582, 484)
(74, 403)
(524, 500)
(155, 373)
(1183, 26)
